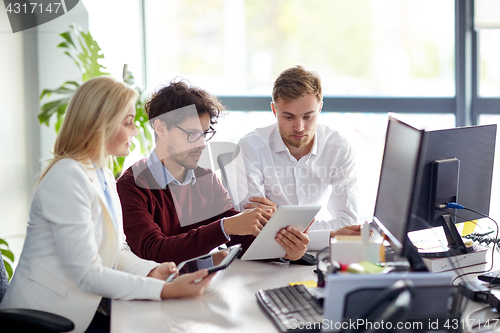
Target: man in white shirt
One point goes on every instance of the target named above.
(298, 161)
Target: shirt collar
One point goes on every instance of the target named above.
(163, 177)
(100, 177)
(279, 144)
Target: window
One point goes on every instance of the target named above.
(359, 47)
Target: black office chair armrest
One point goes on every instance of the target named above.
(27, 320)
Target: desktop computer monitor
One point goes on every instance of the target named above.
(466, 155)
(457, 166)
(399, 184)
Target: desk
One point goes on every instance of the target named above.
(228, 304)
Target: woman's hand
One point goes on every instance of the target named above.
(187, 285)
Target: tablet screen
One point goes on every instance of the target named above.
(213, 262)
(264, 245)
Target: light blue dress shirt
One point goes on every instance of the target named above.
(107, 195)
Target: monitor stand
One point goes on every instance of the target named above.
(414, 258)
(456, 245)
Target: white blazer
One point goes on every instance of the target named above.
(73, 254)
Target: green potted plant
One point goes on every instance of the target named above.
(85, 52)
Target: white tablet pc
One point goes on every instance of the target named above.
(265, 246)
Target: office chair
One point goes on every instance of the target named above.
(26, 320)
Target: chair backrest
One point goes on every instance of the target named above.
(217, 156)
(223, 160)
(4, 281)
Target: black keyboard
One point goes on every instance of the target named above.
(292, 308)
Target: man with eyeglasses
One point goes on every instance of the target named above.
(174, 210)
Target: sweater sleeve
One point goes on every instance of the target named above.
(222, 197)
(163, 239)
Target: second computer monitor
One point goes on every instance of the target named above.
(457, 167)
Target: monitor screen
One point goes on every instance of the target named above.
(398, 181)
(473, 149)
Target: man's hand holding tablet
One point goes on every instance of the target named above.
(277, 240)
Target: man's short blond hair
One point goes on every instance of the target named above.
(296, 82)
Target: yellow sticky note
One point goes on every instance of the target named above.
(309, 284)
(469, 227)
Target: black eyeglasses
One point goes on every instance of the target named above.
(195, 136)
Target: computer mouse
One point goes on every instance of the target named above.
(307, 259)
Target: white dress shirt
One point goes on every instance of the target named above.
(326, 176)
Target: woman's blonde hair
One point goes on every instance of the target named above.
(92, 118)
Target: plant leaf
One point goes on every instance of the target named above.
(8, 254)
(8, 269)
(60, 118)
(94, 53)
(64, 89)
(3, 242)
(45, 92)
(67, 35)
(48, 109)
(61, 112)
(118, 166)
(64, 45)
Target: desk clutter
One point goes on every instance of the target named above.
(357, 300)
(422, 300)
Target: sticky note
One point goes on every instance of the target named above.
(468, 227)
(309, 284)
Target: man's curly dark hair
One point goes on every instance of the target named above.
(176, 95)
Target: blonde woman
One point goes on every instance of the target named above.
(75, 254)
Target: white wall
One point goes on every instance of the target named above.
(29, 63)
(16, 108)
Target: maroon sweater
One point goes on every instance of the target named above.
(176, 223)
